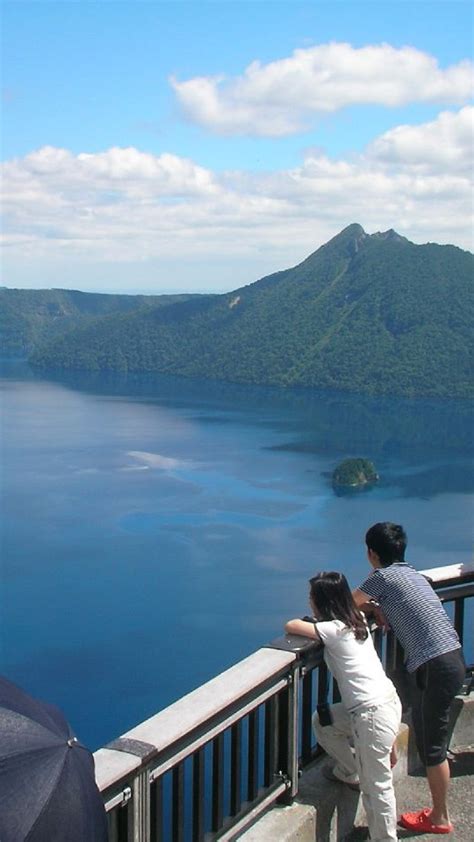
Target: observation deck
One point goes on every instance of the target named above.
(236, 758)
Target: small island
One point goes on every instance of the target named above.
(354, 473)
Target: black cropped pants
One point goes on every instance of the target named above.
(433, 687)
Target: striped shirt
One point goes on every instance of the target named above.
(413, 611)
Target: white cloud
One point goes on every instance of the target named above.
(279, 98)
(125, 206)
(125, 170)
(445, 143)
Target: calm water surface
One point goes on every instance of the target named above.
(157, 530)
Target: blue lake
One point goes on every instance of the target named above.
(156, 530)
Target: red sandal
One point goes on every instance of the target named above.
(421, 822)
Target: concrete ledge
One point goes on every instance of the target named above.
(296, 823)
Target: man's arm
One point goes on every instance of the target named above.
(360, 598)
(302, 627)
(368, 605)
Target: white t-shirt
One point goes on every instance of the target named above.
(355, 665)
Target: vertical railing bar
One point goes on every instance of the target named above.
(377, 635)
(156, 811)
(177, 807)
(235, 768)
(336, 696)
(198, 795)
(391, 653)
(306, 717)
(400, 655)
(323, 681)
(459, 617)
(252, 782)
(217, 782)
(112, 825)
(270, 741)
(123, 824)
(281, 703)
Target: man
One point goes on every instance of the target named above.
(433, 658)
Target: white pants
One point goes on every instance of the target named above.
(372, 731)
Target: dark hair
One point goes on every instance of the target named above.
(332, 600)
(388, 540)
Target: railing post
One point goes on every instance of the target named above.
(141, 807)
(293, 710)
(308, 655)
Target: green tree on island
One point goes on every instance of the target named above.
(354, 472)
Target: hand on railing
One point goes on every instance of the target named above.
(374, 612)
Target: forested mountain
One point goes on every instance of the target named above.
(30, 318)
(364, 313)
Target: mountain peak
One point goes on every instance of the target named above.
(348, 240)
(353, 230)
(390, 235)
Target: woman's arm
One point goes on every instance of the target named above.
(302, 627)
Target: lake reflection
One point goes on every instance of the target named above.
(157, 529)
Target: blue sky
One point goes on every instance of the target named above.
(155, 146)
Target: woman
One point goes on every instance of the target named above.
(370, 711)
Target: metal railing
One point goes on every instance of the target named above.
(208, 765)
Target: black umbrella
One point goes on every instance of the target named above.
(48, 791)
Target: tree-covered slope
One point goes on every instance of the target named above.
(30, 318)
(365, 313)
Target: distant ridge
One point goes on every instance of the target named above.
(369, 313)
(31, 317)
